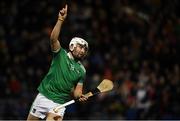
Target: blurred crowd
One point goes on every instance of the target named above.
(133, 43)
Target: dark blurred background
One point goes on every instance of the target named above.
(134, 43)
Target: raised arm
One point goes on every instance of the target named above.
(54, 42)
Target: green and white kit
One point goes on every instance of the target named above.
(63, 75)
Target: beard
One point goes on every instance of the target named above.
(77, 56)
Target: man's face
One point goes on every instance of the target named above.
(80, 51)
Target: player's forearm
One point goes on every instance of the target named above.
(78, 90)
(56, 31)
(77, 93)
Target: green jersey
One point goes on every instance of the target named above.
(63, 75)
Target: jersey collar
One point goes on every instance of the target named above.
(70, 55)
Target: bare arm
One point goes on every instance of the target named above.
(54, 42)
(78, 93)
(78, 90)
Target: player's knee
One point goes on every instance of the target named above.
(57, 118)
(54, 117)
(31, 117)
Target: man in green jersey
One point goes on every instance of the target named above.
(65, 76)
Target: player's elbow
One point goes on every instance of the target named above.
(53, 39)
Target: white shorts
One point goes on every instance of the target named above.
(42, 105)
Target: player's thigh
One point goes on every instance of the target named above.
(53, 117)
(31, 117)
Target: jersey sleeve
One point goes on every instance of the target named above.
(61, 51)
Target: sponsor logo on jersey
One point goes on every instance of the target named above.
(72, 67)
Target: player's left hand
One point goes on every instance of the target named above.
(83, 98)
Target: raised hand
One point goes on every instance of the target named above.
(63, 13)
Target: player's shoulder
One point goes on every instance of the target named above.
(63, 52)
